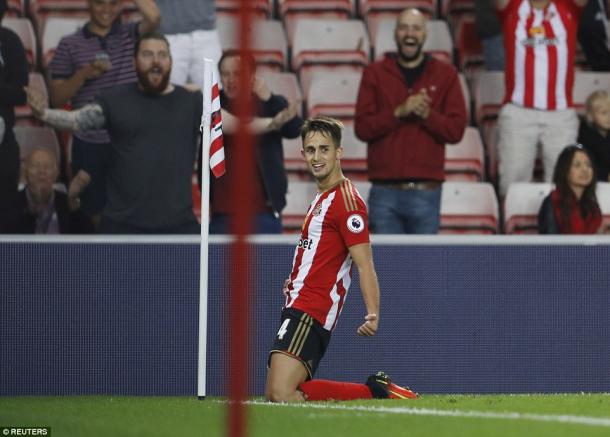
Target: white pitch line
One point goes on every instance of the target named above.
(579, 420)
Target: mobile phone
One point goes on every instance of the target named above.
(102, 56)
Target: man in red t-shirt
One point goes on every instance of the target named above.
(334, 233)
(540, 46)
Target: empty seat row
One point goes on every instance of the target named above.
(465, 207)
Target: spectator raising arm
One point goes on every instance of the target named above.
(88, 117)
(151, 16)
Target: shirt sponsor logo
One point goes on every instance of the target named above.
(305, 243)
(537, 37)
(355, 223)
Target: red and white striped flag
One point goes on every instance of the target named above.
(217, 151)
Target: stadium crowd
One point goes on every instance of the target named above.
(126, 85)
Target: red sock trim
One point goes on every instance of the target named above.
(324, 390)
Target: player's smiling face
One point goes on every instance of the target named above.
(322, 156)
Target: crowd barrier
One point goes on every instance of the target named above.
(459, 315)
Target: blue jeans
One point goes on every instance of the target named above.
(264, 223)
(395, 211)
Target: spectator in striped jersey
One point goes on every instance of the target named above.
(97, 57)
(540, 47)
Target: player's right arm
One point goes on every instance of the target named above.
(88, 117)
(362, 255)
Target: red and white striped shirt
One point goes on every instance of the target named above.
(540, 48)
(321, 269)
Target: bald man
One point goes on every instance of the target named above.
(409, 106)
(41, 208)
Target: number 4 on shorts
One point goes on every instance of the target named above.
(283, 329)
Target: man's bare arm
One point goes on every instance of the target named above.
(88, 117)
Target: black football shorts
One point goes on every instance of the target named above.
(302, 337)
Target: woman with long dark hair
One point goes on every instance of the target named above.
(571, 208)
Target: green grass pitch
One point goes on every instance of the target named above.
(432, 415)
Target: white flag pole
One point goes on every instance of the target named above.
(206, 117)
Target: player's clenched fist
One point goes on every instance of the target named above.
(369, 327)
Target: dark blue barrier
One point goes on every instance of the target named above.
(101, 318)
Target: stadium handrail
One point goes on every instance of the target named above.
(385, 240)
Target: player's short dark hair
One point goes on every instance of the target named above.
(3, 8)
(243, 55)
(151, 35)
(327, 126)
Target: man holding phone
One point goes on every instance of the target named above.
(94, 58)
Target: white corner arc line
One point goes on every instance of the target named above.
(415, 411)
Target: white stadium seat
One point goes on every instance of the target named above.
(468, 207)
(521, 207)
(341, 45)
(465, 161)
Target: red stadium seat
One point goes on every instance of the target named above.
(299, 197)
(260, 8)
(284, 84)
(15, 8)
(521, 207)
(450, 7)
(23, 28)
(268, 41)
(488, 95)
(334, 94)
(31, 137)
(585, 83)
(292, 10)
(375, 11)
(468, 44)
(469, 208)
(55, 29)
(465, 161)
(318, 45)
